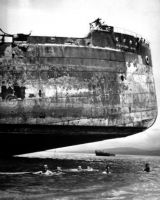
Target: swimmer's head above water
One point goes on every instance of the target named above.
(45, 168)
(59, 169)
(79, 168)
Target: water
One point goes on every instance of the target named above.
(127, 180)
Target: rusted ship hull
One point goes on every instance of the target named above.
(76, 90)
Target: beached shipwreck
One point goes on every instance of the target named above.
(60, 91)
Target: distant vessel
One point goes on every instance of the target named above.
(60, 91)
(103, 153)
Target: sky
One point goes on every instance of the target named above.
(72, 18)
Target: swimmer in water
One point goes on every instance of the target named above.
(80, 168)
(59, 169)
(147, 168)
(107, 170)
(89, 168)
(45, 171)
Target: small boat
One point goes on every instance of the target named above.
(103, 153)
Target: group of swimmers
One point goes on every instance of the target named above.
(46, 171)
(59, 170)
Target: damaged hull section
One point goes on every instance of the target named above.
(58, 91)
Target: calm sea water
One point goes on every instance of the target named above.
(127, 180)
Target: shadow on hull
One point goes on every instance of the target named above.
(19, 139)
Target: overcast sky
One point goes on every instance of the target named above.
(72, 18)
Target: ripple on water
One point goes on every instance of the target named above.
(127, 180)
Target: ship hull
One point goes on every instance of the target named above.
(58, 91)
(20, 139)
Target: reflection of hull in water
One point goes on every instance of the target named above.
(103, 153)
(59, 91)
